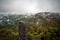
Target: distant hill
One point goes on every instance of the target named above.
(49, 15)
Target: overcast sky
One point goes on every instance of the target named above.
(29, 6)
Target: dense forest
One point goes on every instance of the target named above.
(41, 26)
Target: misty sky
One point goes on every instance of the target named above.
(29, 6)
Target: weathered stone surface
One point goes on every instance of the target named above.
(22, 31)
